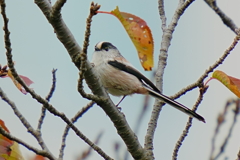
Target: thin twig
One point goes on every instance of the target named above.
(162, 14)
(86, 153)
(188, 125)
(50, 94)
(55, 112)
(71, 45)
(43, 113)
(67, 128)
(162, 62)
(209, 70)
(44, 102)
(19, 141)
(11, 65)
(223, 146)
(226, 20)
(83, 55)
(25, 123)
(220, 120)
(93, 9)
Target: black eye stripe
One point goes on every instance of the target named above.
(107, 45)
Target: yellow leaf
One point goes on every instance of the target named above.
(233, 84)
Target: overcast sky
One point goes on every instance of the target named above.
(198, 41)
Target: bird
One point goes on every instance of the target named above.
(120, 78)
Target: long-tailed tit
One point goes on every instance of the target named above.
(120, 78)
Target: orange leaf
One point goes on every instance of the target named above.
(140, 35)
(9, 149)
(233, 84)
(2, 124)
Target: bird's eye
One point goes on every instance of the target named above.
(106, 48)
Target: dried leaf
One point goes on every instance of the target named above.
(4, 72)
(26, 80)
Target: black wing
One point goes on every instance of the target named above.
(134, 72)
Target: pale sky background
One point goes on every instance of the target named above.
(198, 41)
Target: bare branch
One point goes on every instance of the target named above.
(43, 113)
(176, 17)
(162, 62)
(35, 150)
(52, 110)
(83, 55)
(67, 128)
(10, 64)
(221, 119)
(65, 36)
(86, 153)
(25, 123)
(61, 30)
(44, 102)
(226, 20)
(189, 124)
(93, 9)
(209, 70)
(56, 9)
(53, 85)
(162, 14)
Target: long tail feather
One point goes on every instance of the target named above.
(175, 104)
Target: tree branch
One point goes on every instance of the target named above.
(56, 8)
(44, 102)
(83, 55)
(28, 127)
(43, 113)
(67, 128)
(35, 150)
(63, 33)
(211, 68)
(220, 120)
(65, 36)
(11, 65)
(226, 20)
(162, 62)
(189, 124)
(162, 14)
